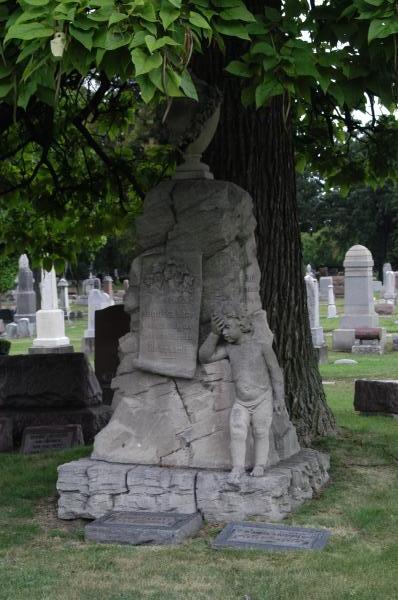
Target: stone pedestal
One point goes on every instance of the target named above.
(90, 488)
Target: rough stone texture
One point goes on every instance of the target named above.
(6, 441)
(171, 421)
(384, 308)
(137, 528)
(89, 489)
(376, 396)
(51, 389)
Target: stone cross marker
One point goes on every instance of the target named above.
(169, 318)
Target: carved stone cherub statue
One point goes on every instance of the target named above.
(259, 386)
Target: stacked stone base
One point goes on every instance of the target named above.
(91, 488)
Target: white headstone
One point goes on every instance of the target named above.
(389, 286)
(97, 300)
(358, 297)
(63, 287)
(50, 321)
(313, 310)
(332, 311)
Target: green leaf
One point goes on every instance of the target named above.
(37, 2)
(84, 37)
(238, 13)
(154, 44)
(188, 86)
(379, 28)
(197, 20)
(5, 89)
(267, 90)
(272, 14)
(241, 69)
(29, 31)
(263, 48)
(232, 29)
(116, 17)
(145, 63)
(168, 15)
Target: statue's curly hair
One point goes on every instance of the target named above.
(238, 311)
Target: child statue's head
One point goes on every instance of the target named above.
(236, 322)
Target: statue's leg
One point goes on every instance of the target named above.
(239, 423)
(261, 421)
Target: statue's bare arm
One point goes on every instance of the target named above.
(276, 375)
(210, 351)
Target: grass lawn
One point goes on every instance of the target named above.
(43, 558)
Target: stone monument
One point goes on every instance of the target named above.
(50, 320)
(318, 339)
(168, 445)
(25, 297)
(107, 285)
(389, 293)
(386, 267)
(63, 290)
(324, 283)
(358, 301)
(97, 300)
(332, 310)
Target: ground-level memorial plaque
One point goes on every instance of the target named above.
(42, 439)
(138, 528)
(169, 317)
(259, 536)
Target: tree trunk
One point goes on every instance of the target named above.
(254, 149)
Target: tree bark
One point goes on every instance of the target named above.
(254, 149)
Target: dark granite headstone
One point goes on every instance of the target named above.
(138, 528)
(368, 333)
(7, 315)
(51, 390)
(42, 439)
(6, 442)
(377, 396)
(260, 536)
(110, 325)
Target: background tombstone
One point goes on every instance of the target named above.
(332, 310)
(51, 390)
(358, 306)
(25, 296)
(324, 283)
(386, 267)
(63, 287)
(111, 324)
(389, 293)
(107, 285)
(97, 300)
(318, 339)
(50, 320)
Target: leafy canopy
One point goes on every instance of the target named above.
(338, 49)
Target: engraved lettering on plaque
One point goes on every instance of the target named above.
(170, 299)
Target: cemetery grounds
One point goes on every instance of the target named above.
(44, 558)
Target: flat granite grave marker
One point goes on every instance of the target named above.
(138, 528)
(260, 536)
(41, 439)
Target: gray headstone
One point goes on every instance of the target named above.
(42, 439)
(23, 330)
(12, 330)
(26, 296)
(258, 536)
(138, 528)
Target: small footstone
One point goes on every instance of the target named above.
(138, 528)
(259, 536)
(345, 361)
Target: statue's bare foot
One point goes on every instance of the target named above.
(258, 471)
(235, 475)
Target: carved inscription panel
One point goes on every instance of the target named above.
(170, 298)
